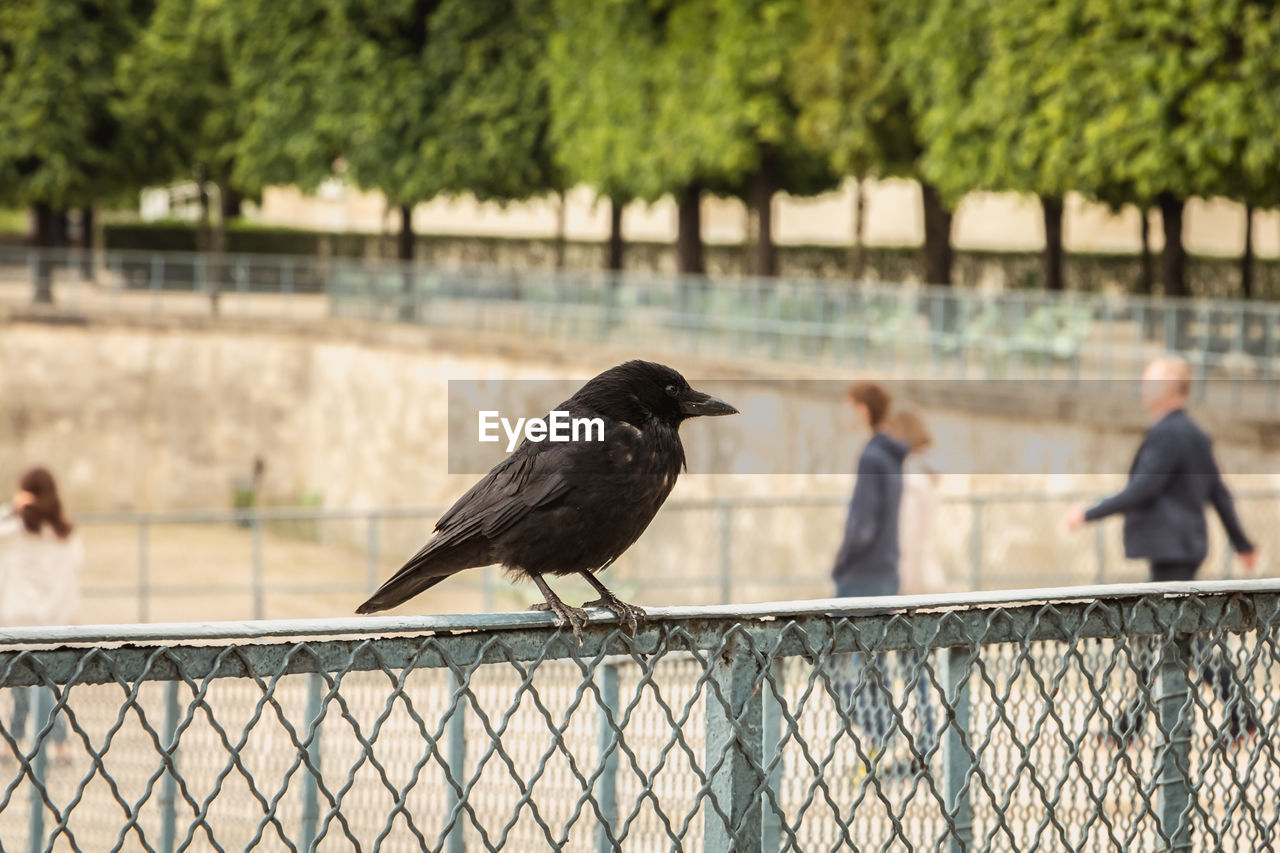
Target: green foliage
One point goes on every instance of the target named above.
(649, 97)
(287, 63)
(1122, 101)
(848, 77)
(446, 97)
(61, 142)
(178, 103)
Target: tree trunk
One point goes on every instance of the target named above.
(45, 239)
(937, 237)
(218, 230)
(404, 240)
(1147, 276)
(1052, 242)
(1246, 258)
(404, 252)
(689, 257)
(206, 239)
(562, 229)
(232, 202)
(762, 190)
(857, 253)
(614, 259)
(1173, 260)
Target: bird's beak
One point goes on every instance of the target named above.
(700, 404)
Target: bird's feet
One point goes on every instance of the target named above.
(574, 618)
(628, 614)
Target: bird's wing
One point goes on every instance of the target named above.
(519, 484)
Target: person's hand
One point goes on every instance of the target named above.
(22, 499)
(1075, 518)
(1249, 561)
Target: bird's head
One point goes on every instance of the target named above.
(639, 390)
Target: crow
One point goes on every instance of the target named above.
(566, 508)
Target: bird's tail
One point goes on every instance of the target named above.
(426, 569)
(398, 590)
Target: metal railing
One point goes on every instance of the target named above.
(740, 557)
(1119, 718)
(921, 330)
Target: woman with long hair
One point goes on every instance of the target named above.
(40, 559)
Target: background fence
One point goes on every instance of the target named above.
(268, 562)
(926, 331)
(1006, 722)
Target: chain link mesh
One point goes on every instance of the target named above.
(1127, 722)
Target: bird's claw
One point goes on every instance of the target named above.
(574, 618)
(628, 614)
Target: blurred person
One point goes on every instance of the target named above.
(40, 559)
(867, 562)
(1172, 477)
(919, 572)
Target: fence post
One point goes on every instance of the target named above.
(734, 745)
(1174, 793)
(771, 829)
(1100, 554)
(169, 785)
(975, 544)
(256, 566)
(457, 735)
(144, 573)
(958, 767)
(606, 793)
(371, 555)
(157, 280)
(725, 519)
(311, 775)
(43, 709)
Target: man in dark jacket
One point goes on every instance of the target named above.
(867, 563)
(1171, 479)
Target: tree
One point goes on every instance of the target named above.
(1180, 106)
(445, 97)
(849, 77)
(635, 132)
(62, 143)
(289, 62)
(179, 100)
(997, 90)
(686, 96)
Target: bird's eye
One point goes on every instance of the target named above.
(673, 390)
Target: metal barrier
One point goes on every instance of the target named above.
(736, 561)
(924, 331)
(1134, 717)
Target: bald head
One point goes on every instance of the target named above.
(1166, 385)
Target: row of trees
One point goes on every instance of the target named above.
(1143, 102)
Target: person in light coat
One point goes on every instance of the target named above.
(919, 572)
(40, 560)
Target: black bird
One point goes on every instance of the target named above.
(565, 508)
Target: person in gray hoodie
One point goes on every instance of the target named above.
(867, 562)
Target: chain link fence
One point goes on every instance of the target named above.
(1118, 718)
